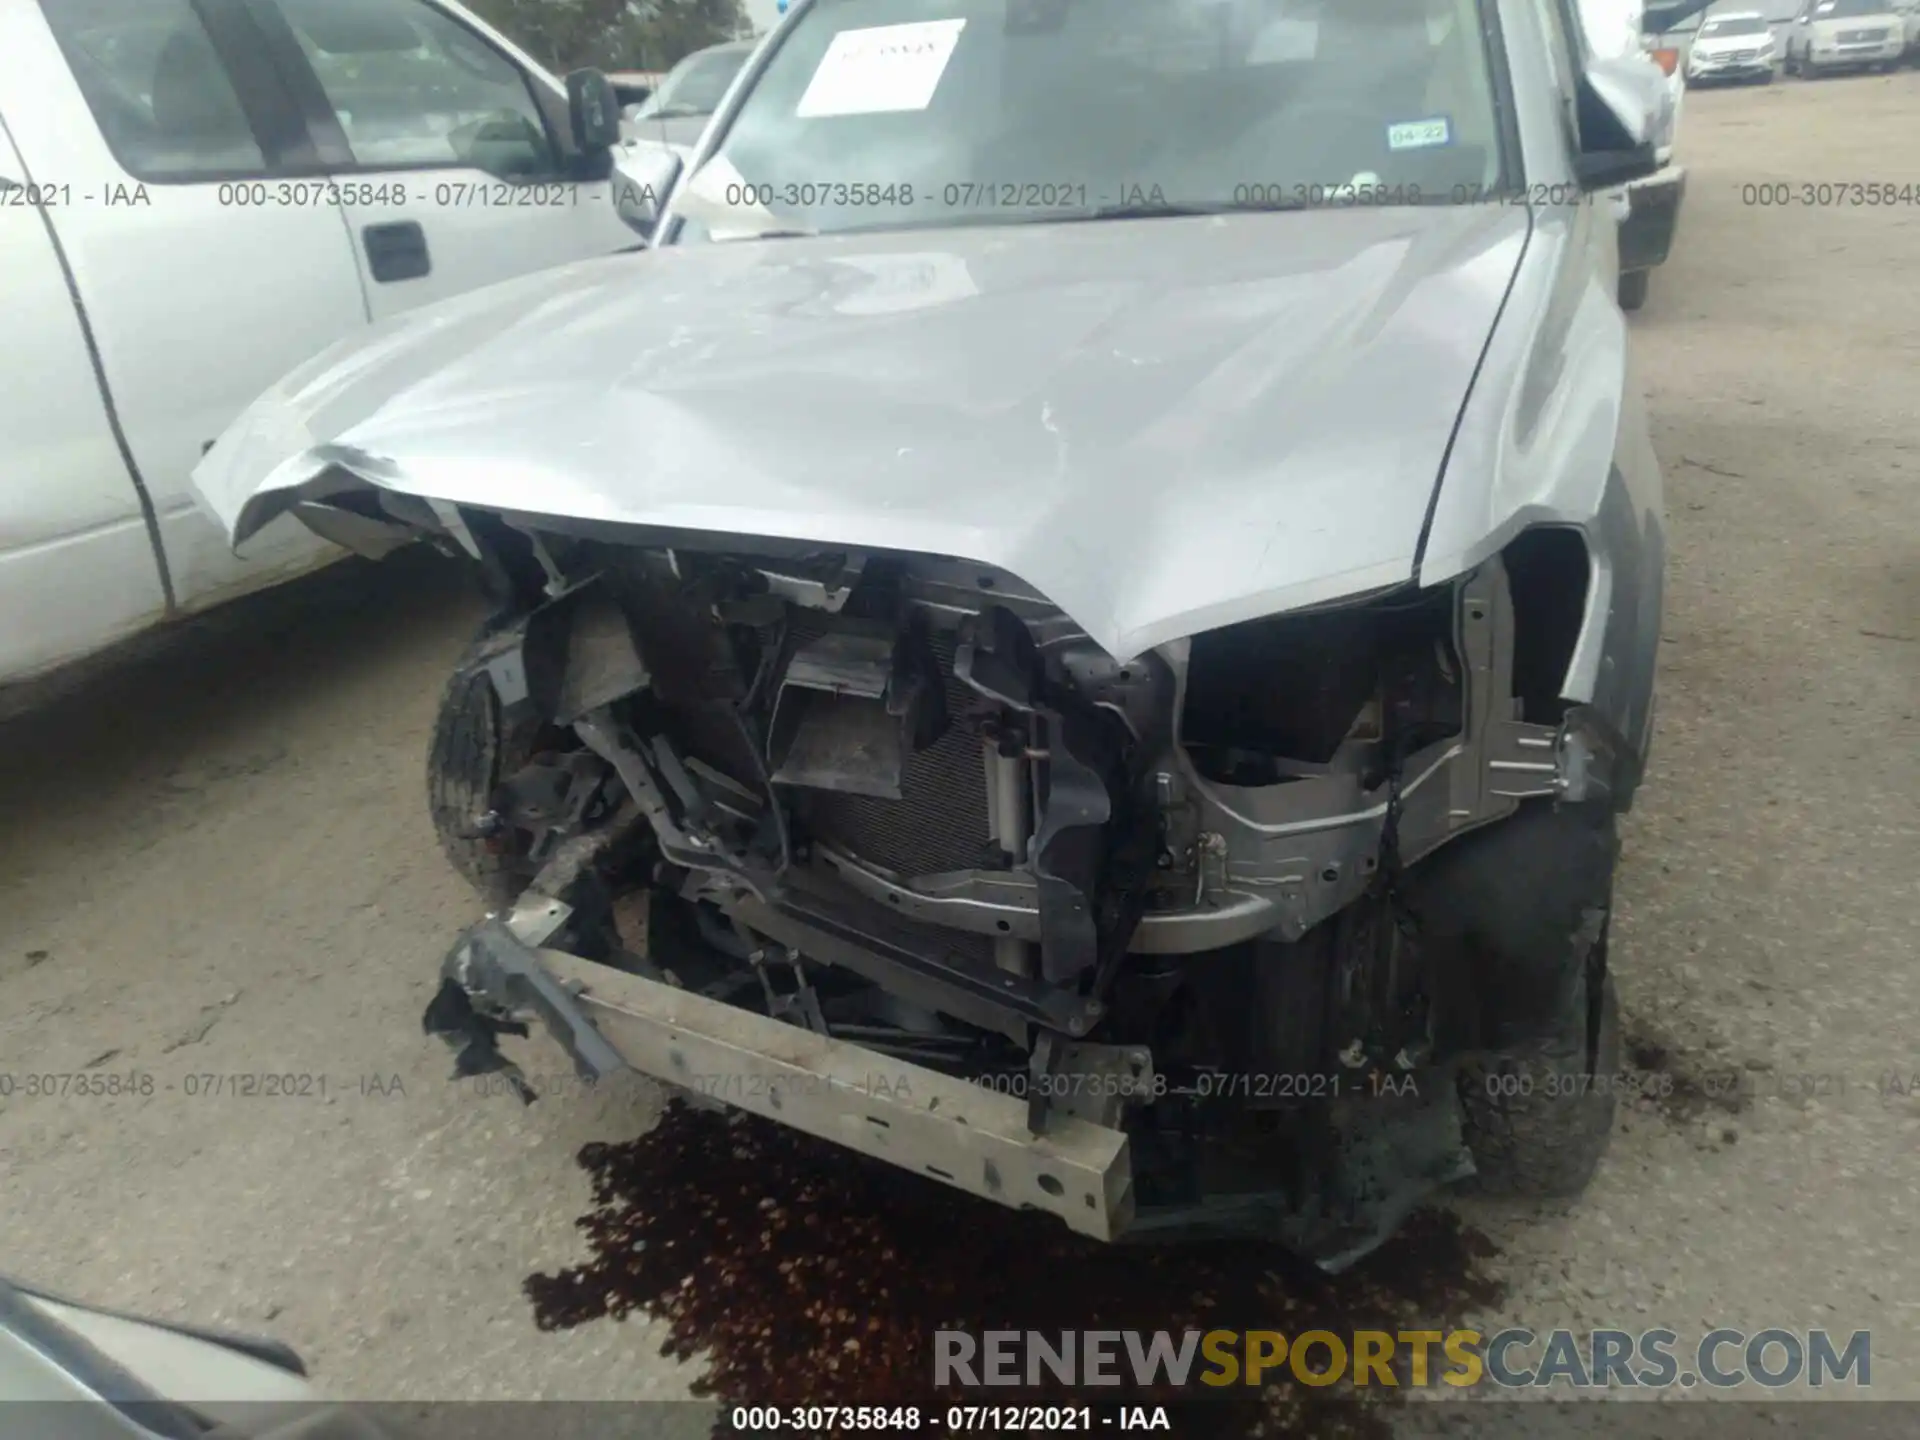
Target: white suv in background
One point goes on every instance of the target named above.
(1734, 45)
(1910, 13)
(1832, 35)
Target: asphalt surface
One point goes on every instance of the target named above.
(215, 862)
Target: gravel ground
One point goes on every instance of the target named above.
(216, 861)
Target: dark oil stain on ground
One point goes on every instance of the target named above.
(1681, 1088)
(805, 1274)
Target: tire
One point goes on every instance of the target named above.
(467, 758)
(1633, 289)
(1532, 1134)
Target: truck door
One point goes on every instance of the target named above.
(452, 151)
(204, 271)
(77, 563)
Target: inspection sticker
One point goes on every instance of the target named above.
(1419, 134)
(881, 68)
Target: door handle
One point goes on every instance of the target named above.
(397, 251)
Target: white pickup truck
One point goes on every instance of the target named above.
(195, 197)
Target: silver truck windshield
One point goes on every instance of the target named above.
(895, 113)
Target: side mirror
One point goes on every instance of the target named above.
(643, 174)
(594, 109)
(1610, 169)
(1623, 106)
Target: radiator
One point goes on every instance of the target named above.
(940, 821)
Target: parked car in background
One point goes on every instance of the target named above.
(193, 200)
(1831, 35)
(634, 86)
(1677, 24)
(678, 111)
(1910, 17)
(1735, 45)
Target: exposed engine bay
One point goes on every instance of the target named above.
(903, 804)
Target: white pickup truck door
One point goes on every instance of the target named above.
(201, 278)
(76, 556)
(450, 148)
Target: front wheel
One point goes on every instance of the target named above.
(1537, 1120)
(472, 750)
(1633, 289)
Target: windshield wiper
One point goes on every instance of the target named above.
(1141, 210)
(1167, 210)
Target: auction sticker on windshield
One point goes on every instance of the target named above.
(881, 68)
(1419, 134)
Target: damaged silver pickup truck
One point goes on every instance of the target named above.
(1080, 617)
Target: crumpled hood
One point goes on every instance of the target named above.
(1162, 425)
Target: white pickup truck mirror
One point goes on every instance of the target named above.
(1624, 103)
(595, 110)
(643, 173)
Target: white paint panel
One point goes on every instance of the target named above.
(479, 228)
(197, 304)
(76, 566)
(69, 597)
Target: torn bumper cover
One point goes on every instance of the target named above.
(972, 1138)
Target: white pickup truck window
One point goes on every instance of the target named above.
(413, 87)
(157, 88)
